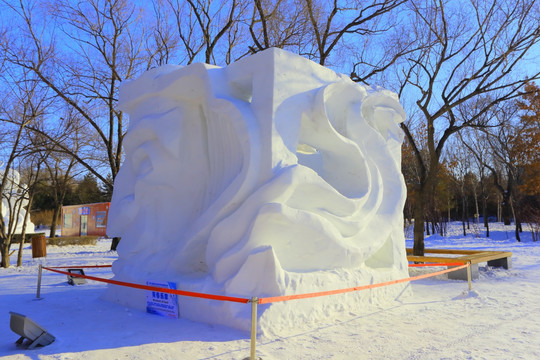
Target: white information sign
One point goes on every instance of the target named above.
(162, 303)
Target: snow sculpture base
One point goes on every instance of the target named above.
(272, 176)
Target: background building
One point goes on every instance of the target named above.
(85, 219)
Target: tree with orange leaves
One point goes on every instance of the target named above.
(528, 144)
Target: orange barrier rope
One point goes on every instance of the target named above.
(154, 288)
(266, 300)
(254, 301)
(436, 264)
(79, 267)
(356, 288)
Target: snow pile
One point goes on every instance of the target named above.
(14, 203)
(268, 177)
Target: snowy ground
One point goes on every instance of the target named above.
(499, 319)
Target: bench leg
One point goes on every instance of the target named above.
(461, 274)
(504, 263)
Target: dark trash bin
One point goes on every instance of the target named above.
(39, 246)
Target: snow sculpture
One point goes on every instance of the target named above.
(13, 201)
(270, 176)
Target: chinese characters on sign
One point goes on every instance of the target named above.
(162, 303)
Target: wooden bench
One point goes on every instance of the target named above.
(493, 258)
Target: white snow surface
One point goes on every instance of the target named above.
(271, 176)
(438, 319)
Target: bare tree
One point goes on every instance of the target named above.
(474, 140)
(461, 168)
(469, 50)
(281, 23)
(203, 25)
(504, 147)
(333, 22)
(72, 145)
(161, 44)
(102, 46)
(22, 104)
(31, 176)
(59, 170)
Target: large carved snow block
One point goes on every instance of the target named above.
(267, 177)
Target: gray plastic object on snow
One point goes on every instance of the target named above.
(28, 329)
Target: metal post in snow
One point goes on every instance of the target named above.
(469, 275)
(254, 301)
(39, 282)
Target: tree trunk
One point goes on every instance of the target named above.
(4, 251)
(467, 217)
(57, 209)
(506, 208)
(517, 222)
(484, 211)
(477, 211)
(485, 215)
(499, 211)
(418, 247)
(21, 246)
(23, 233)
(463, 214)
